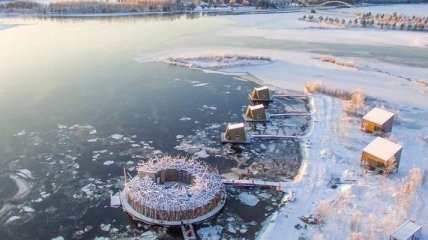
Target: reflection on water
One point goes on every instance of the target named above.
(76, 109)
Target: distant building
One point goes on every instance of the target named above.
(260, 94)
(235, 133)
(409, 230)
(382, 154)
(377, 120)
(256, 113)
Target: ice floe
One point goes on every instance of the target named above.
(12, 219)
(211, 233)
(248, 199)
(116, 136)
(185, 119)
(109, 162)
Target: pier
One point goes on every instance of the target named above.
(253, 183)
(277, 137)
(289, 114)
(288, 96)
(188, 232)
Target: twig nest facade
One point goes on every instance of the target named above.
(175, 189)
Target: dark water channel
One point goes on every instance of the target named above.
(76, 140)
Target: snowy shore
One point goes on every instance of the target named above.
(369, 206)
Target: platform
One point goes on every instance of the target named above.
(225, 140)
(142, 218)
(188, 232)
(252, 183)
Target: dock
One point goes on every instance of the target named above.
(276, 137)
(188, 232)
(252, 183)
(288, 114)
(288, 96)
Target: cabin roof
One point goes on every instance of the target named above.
(382, 148)
(378, 116)
(256, 107)
(406, 230)
(235, 125)
(261, 88)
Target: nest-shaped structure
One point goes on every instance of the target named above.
(175, 189)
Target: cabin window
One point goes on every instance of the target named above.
(237, 137)
(259, 116)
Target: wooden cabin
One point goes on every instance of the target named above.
(408, 230)
(256, 113)
(382, 154)
(235, 133)
(260, 94)
(377, 120)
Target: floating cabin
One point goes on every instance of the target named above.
(382, 154)
(378, 121)
(235, 133)
(256, 113)
(409, 230)
(260, 94)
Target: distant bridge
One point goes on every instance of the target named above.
(340, 2)
(307, 4)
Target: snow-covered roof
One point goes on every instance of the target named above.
(406, 230)
(382, 148)
(261, 88)
(206, 184)
(378, 116)
(255, 107)
(235, 125)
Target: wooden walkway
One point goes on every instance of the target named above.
(288, 96)
(289, 114)
(188, 232)
(252, 183)
(276, 136)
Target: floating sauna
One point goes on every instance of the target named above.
(378, 121)
(235, 133)
(173, 191)
(260, 94)
(256, 113)
(382, 154)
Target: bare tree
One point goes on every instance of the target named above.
(356, 221)
(322, 210)
(371, 225)
(354, 236)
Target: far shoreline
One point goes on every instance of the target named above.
(220, 11)
(151, 13)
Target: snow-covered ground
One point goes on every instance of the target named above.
(368, 206)
(333, 150)
(291, 70)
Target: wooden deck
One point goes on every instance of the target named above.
(288, 96)
(289, 114)
(276, 137)
(225, 140)
(276, 115)
(253, 183)
(188, 232)
(142, 218)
